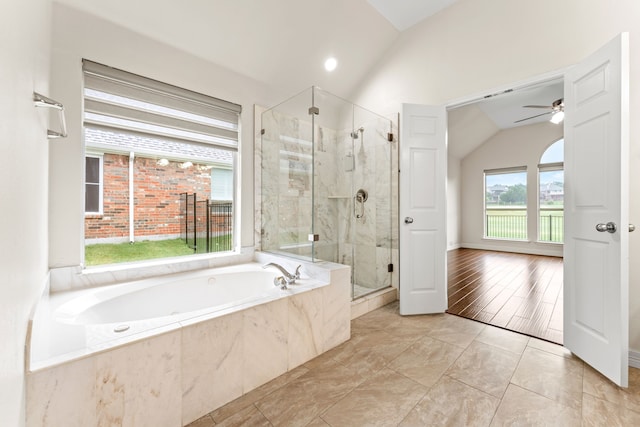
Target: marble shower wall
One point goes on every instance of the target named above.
(285, 198)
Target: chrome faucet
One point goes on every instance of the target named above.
(289, 278)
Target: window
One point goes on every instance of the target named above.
(93, 185)
(551, 194)
(221, 184)
(506, 203)
(169, 154)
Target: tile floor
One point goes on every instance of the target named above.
(436, 370)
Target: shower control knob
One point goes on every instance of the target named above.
(408, 220)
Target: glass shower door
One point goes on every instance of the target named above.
(371, 203)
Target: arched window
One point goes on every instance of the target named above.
(551, 194)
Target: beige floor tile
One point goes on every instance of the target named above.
(306, 397)
(370, 352)
(377, 319)
(455, 330)
(485, 367)
(452, 403)
(521, 407)
(599, 386)
(549, 347)
(205, 421)
(383, 400)
(556, 377)
(598, 412)
(253, 396)
(249, 417)
(501, 338)
(318, 422)
(426, 360)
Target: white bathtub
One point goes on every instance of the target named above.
(190, 342)
(75, 324)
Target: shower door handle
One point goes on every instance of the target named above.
(408, 220)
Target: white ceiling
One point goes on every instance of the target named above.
(282, 43)
(406, 13)
(504, 110)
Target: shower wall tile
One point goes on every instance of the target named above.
(211, 372)
(62, 396)
(305, 327)
(139, 384)
(265, 352)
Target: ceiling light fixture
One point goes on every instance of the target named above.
(330, 64)
(557, 117)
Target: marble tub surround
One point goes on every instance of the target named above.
(65, 279)
(418, 386)
(174, 377)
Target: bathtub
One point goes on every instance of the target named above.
(192, 341)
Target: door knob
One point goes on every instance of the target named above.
(408, 220)
(632, 228)
(609, 227)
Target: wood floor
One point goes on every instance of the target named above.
(519, 292)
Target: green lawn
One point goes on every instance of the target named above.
(112, 253)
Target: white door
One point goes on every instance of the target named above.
(596, 278)
(423, 231)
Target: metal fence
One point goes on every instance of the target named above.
(512, 224)
(551, 226)
(207, 225)
(506, 225)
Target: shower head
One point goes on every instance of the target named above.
(354, 134)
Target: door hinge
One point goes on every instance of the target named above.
(262, 131)
(390, 137)
(390, 268)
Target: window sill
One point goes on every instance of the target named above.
(79, 277)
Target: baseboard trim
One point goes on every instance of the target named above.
(634, 359)
(520, 250)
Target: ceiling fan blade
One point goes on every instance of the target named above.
(533, 117)
(537, 106)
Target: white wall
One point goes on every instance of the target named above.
(78, 35)
(454, 194)
(520, 146)
(24, 43)
(478, 45)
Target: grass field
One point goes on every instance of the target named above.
(505, 223)
(112, 253)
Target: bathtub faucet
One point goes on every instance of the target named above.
(288, 277)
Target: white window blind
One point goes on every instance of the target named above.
(118, 99)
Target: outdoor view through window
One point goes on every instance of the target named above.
(506, 199)
(506, 204)
(160, 168)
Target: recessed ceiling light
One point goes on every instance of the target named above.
(330, 64)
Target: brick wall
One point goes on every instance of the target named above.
(157, 197)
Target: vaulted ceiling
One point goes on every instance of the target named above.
(284, 43)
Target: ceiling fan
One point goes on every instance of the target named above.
(556, 108)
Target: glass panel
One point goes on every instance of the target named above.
(92, 170)
(287, 177)
(553, 154)
(329, 174)
(506, 205)
(551, 228)
(92, 198)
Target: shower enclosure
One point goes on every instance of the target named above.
(326, 185)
